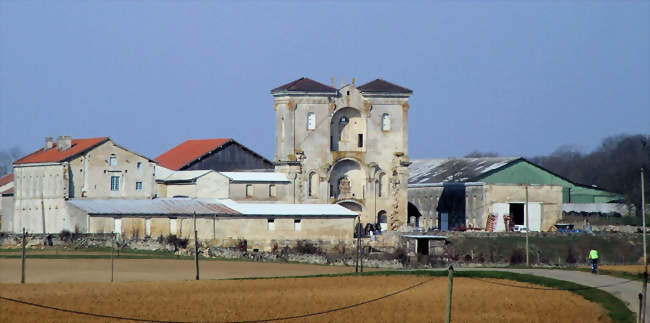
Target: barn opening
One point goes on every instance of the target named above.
(414, 215)
(517, 213)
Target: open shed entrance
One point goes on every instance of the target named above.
(517, 213)
(422, 246)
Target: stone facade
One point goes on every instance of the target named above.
(105, 171)
(347, 146)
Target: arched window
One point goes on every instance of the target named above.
(382, 185)
(385, 122)
(313, 184)
(382, 219)
(311, 121)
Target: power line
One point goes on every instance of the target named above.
(245, 321)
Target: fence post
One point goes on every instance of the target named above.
(450, 286)
(22, 258)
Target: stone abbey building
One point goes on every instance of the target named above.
(347, 146)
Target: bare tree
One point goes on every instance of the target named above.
(479, 154)
(614, 165)
(7, 157)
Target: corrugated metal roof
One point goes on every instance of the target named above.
(256, 177)
(268, 209)
(162, 172)
(189, 151)
(165, 206)
(454, 170)
(79, 146)
(186, 175)
(8, 192)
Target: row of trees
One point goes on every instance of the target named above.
(614, 165)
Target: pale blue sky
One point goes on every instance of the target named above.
(518, 78)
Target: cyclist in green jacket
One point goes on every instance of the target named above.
(593, 259)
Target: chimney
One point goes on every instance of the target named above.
(49, 143)
(332, 81)
(63, 143)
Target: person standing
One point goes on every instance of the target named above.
(593, 259)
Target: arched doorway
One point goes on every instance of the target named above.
(414, 215)
(382, 219)
(347, 130)
(347, 180)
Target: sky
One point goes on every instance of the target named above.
(514, 77)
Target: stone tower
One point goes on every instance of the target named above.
(347, 146)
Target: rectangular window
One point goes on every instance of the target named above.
(311, 121)
(139, 165)
(297, 226)
(273, 192)
(360, 140)
(271, 225)
(138, 186)
(112, 161)
(115, 183)
(250, 190)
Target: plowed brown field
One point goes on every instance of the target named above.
(474, 301)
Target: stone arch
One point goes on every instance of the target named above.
(351, 205)
(347, 180)
(414, 215)
(382, 219)
(348, 130)
(314, 184)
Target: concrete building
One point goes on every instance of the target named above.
(221, 154)
(91, 168)
(221, 221)
(250, 187)
(6, 196)
(347, 146)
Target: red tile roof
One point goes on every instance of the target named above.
(79, 146)
(189, 151)
(6, 179)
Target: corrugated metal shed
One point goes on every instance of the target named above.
(161, 207)
(267, 177)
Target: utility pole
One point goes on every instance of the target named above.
(358, 231)
(112, 257)
(22, 258)
(196, 248)
(527, 228)
(450, 287)
(645, 257)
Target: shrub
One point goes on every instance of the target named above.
(241, 245)
(178, 243)
(570, 256)
(306, 247)
(517, 256)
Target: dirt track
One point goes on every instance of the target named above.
(99, 270)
